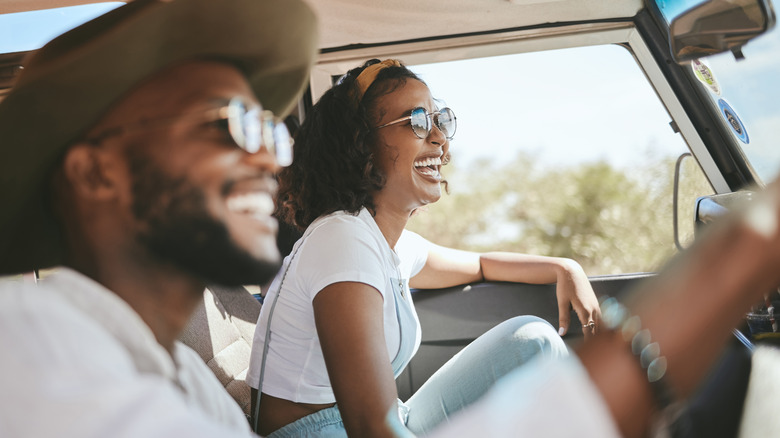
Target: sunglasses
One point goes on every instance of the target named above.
(422, 122)
(250, 127)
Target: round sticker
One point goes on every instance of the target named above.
(705, 75)
(733, 120)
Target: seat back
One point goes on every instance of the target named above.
(221, 331)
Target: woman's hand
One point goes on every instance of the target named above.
(573, 290)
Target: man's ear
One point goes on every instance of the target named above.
(92, 171)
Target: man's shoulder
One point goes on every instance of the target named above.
(46, 332)
(30, 299)
(47, 305)
(40, 307)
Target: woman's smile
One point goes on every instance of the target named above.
(429, 168)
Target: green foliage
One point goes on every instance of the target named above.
(610, 220)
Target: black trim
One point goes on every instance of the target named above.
(721, 147)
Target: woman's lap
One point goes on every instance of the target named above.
(326, 423)
(471, 372)
(460, 382)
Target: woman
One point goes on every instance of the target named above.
(342, 324)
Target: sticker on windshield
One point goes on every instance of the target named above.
(733, 120)
(705, 75)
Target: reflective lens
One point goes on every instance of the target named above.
(244, 127)
(420, 121)
(252, 128)
(284, 145)
(446, 121)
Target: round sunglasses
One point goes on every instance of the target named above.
(250, 127)
(422, 122)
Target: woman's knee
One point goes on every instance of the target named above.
(531, 335)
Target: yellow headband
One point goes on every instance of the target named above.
(368, 76)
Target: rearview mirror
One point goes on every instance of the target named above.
(709, 208)
(717, 26)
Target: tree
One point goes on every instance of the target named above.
(610, 220)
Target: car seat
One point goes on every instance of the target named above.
(221, 331)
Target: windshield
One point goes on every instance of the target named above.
(744, 93)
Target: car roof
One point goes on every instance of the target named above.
(351, 24)
(357, 22)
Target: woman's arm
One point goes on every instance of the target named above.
(350, 325)
(446, 267)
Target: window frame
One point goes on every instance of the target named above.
(622, 32)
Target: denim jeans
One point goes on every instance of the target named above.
(457, 384)
(471, 372)
(326, 423)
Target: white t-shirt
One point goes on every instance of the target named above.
(79, 362)
(335, 248)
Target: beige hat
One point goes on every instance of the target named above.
(67, 85)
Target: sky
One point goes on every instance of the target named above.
(564, 106)
(751, 88)
(31, 30)
(585, 104)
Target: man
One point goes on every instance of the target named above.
(136, 155)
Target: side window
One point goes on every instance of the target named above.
(565, 153)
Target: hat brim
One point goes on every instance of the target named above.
(67, 85)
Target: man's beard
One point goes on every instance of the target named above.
(177, 228)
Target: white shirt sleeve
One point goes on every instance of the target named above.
(341, 249)
(550, 398)
(412, 249)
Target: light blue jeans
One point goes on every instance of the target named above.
(470, 373)
(326, 423)
(457, 384)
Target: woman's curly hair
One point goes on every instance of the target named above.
(333, 168)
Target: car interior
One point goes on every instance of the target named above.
(663, 38)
